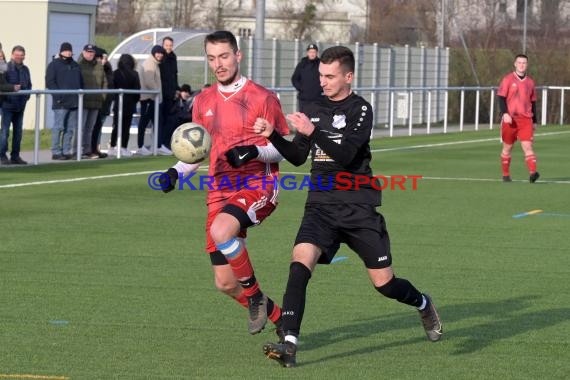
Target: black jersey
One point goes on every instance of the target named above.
(340, 152)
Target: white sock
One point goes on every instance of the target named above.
(291, 338)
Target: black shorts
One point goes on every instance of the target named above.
(360, 226)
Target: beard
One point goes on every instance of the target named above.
(230, 80)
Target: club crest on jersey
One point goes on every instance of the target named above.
(339, 121)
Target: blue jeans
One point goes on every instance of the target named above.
(63, 130)
(16, 119)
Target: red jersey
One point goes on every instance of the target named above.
(520, 93)
(229, 118)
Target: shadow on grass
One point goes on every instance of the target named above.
(506, 318)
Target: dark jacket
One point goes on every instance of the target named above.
(4, 86)
(181, 110)
(64, 74)
(169, 76)
(306, 80)
(108, 69)
(17, 74)
(93, 79)
(127, 79)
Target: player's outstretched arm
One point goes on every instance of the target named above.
(168, 178)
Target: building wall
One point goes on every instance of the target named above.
(25, 22)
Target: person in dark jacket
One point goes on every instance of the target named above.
(305, 78)
(181, 111)
(125, 77)
(63, 73)
(102, 58)
(13, 106)
(169, 78)
(93, 79)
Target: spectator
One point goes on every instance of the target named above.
(150, 78)
(170, 93)
(125, 77)
(63, 73)
(4, 86)
(13, 106)
(101, 57)
(93, 79)
(181, 110)
(306, 78)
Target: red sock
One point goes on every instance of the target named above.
(242, 268)
(241, 299)
(531, 163)
(275, 314)
(506, 164)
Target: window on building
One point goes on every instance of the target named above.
(244, 32)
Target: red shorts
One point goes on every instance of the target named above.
(521, 129)
(255, 204)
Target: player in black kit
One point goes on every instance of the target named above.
(337, 132)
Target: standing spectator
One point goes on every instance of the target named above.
(169, 78)
(150, 78)
(517, 101)
(93, 79)
(337, 132)
(181, 110)
(13, 106)
(63, 73)
(5, 87)
(125, 77)
(102, 58)
(305, 78)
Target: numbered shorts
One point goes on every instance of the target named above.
(521, 129)
(250, 207)
(359, 226)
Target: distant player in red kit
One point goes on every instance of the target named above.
(228, 111)
(517, 101)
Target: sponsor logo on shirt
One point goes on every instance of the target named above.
(339, 121)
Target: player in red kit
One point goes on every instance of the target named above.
(228, 111)
(517, 101)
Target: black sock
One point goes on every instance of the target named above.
(402, 291)
(294, 298)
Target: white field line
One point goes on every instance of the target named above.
(459, 142)
(79, 179)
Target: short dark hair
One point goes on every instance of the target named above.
(167, 38)
(521, 56)
(19, 48)
(222, 36)
(342, 54)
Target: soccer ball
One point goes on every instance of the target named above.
(191, 143)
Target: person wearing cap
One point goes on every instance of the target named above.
(181, 111)
(63, 73)
(93, 79)
(305, 78)
(170, 94)
(149, 74)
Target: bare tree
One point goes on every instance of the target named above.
(214, 14)
(302, 22)
(183, 13)
(129, 12)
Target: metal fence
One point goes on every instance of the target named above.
(416, 106)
